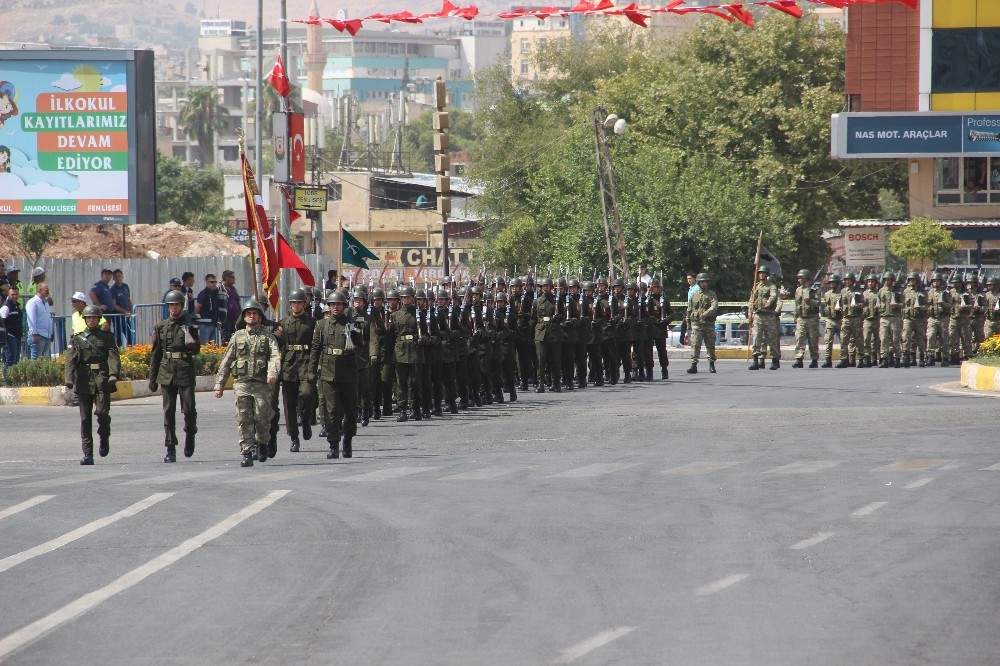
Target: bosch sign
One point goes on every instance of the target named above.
(865, 247)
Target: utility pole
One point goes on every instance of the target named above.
(609, 195)
(442, 164)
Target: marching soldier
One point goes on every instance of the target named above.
(609, 345)
(806, 321)
(376, 332)
(171, 367)
(444, 325)
(387, 354)
(938, 310)
(544, 320)
(583, 326)
(520, 301)
(853, 306)
(403, 322)
(960, 327)
(992, 309)
(890, 323)
(595, 310)
(460, 337)
(336, 347)
(476, 335)
(624, 321)
(660, 314)
(766, 333)
(92, 367)
(915, 312)
(360, 318)
(294, 335)
(704, 307)
(571, 305)
(505, 341)
(254, 361)
(870, 345)
(833, 315)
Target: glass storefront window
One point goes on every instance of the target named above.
(969, 180)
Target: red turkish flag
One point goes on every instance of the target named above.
(278, 79)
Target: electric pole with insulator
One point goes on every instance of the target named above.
(442, 165)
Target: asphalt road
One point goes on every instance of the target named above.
(789, 517)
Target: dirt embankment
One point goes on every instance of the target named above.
(86, 241)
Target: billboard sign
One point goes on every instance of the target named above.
(77, 137)
(911, 135)
(865, 246)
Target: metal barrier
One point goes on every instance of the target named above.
(144, 318)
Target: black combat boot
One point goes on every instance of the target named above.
(188, 444)
(402, 416)
(334, 451)
(756, 365)
(104, 448)
(524, 386)
(693, 370)
(827, 363)
(499, 396)
(844, 363)
(814, 363)
(487, 398)
(798, 363)
(171, 455)
(88, 457)
(775, 364)
(664, 374)
(479, 398)
(513, 394)
(628, 378)
(540, 389)
(307, 432)
(272, 446)
(955, 360)
(556, 388)
(922, 364)
(452, 407)
(437, 409)
(930, 361)
(348, 452)
(463, 403)
(907, 360)
(262, 452)
(377, 413)
(416, 414)
(569, 385)
(364, 418)
(895, 361)
(582, 384)
(884, 362)
(944, 361)
(865, 363)
(294, 448)
(711, 367)
(247, 460)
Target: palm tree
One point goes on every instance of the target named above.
(202, 115)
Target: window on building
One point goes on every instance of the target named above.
(965, 60)
(334, 192)
(524, 68)
(394, 49)
(968, 180)
(525, 46)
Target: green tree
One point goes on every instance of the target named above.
(418, 140)
(202, 116)
(922, 240)
(34, 238)
(189, 196)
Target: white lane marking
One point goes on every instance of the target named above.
(281, 476)
(698, 468)
(597, 469)
(991, 468)
(720, 584)
(803, 467)
(492, 472)
(869, 508)
(80, 532)
(27, 504)
(539, 439)
(169, 478)
(811, 541)
(68, 479)
(383, 474)
(75, 609)
(954, 465)
(601, 639)
(913, 465)
(919, 482)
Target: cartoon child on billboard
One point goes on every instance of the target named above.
(4, 159)
(8, 101)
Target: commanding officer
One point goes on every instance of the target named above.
(545, 322)
(765, 334)
(914, 321)
(403, 322)
(992, 309)
(253, 359)
(704, 307)
(294, 335)
(833, 315)
(337, 344)
(806, 320)
(960, 327)
(870, 336)
(853, 306)
(175, 344)
(92, 367)
(938, 311)
(890, 330)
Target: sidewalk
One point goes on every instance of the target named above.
(58, 395)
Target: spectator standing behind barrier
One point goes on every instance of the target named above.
(41, 330)
(232, 305)
(121, 295)
(77, 322)
(12, 278)
(175, 285)
(211, 310)
(187, 288)
(12, 328)
(37, 277)
(100, 293)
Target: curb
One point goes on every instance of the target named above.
(58, 396)
(980, 377)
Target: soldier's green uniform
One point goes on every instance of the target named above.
(460, 334)
(807, 303)
(960, 326)
(914, 322)
(626, 323)
(869, 334)
(992, 308)
(833, 316)
(609, 345)
(444, 322)
(337, 345)
(520, 301)
(852, 304)
(702, 311)
(360, 320)
(583, 334)
(387, 353)
(254, 361)
(978, 311)
(376, 329)
(92, 368)
(765, 305)
(660, 315)
(890, 310)
(294, 336)
(505, 341)
(938, 312)
(570, 306)
(403, 322)
(171, 367)
(548, 336)
(595, 309)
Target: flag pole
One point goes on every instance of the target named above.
(753, 283)
(340, 253)
(241, 140)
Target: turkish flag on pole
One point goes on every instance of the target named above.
(288, 259)
(278, 79)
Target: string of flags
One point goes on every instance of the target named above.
(732, 11)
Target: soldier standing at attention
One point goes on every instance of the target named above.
(869, 336)
(595, 309)
(337, 344)
(938, 311)
(833, 314)
(765, 333)
(294, 335)
(403, 323)
(992, 310)
(92, 367)
(890, 328)
(253, 359)
(704, 307)
(806, 321)
(853, 306)
(175, 344)
(544, 315)
(914, 322)
(960, 327)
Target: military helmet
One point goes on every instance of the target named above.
(631, 285)
(936, 276)
(955, 278)
(618, 283)
(835, 278)
(442, 293)
(516, 282)
(361, 293)
(994, 280)
(460, 293)
(392, 295)
(530, 281)
(574, 283)
(655, 282)
(501, 296)
(764, 269)
(562, 283)
(804, 273)
(888, 276)
(872, 276)
(174, 296)
(377, 294)
(92, 311)
(974, 278)
(252, 304)
(336, 297)
(476, 290)
(407, 291)
(701, 277)
(913, 276)
(588, 286)
(545, 281)
(851, 276)
(420, 293)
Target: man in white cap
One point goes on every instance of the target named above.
(79, 301)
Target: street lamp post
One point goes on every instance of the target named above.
(609, 195)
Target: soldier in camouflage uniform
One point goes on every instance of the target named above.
(403, 322)
(960, 326)
(890, 310)
(978, 311)
(992, 309)
(806, 321)
(833, 316)
(915, 311)
(852, 304)
(92, 367)
(171, 366)
(294, 335)
(254, 361)
(938, 311)
(765, 304)
(337, 345)
(702, 311)
(869, 335)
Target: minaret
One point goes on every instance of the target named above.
(315, 58)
